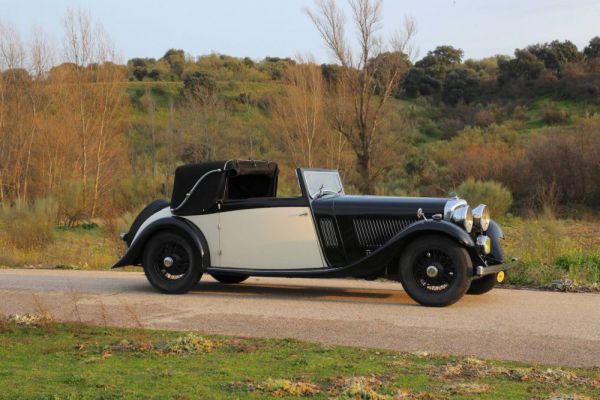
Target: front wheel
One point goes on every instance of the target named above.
(434, 271)
(171, 264)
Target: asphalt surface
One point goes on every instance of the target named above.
(520, 325)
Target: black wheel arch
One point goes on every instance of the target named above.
(181, 226)
(427, 228)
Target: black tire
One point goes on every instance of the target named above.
(229, 278)
(451, 264)
(482, 285)
(185, 271)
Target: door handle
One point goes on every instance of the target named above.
(303, 214)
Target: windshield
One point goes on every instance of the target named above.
(321, 183)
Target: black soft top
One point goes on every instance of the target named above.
(206, 183)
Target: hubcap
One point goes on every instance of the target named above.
(172, 261)
(168, 262)
(432, 271)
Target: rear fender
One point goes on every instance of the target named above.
(134, 253)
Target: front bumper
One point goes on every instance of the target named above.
(494, 269)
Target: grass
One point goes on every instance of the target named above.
(551, 250)
(84, 247)
(68, 361)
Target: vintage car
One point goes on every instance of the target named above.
(225, 219)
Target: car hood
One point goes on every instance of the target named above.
(379, 205)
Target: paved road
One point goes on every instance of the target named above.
(551, 328)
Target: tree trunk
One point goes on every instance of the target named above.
(366, 184)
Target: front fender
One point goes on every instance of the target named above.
(496, 235)
(380, 258)
(133, 255)
(432, 226)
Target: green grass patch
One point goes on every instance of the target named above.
(63, 361)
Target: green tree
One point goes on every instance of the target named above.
(386, 61)
(176, 60)
(417, 83)
(555, 54)
(461, 84)
(140, 67)
(525, 65)
(592, 50)
(437, 62)
(200, 85)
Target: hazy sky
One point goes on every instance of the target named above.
(260, 28)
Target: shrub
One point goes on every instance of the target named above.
(69, 195)
(485, 117)
(564, 157)
(497, 197)
(27, 226)
(555, 115)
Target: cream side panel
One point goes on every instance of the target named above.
(209, 225)
(269, 238)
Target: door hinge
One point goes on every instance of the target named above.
(219, 226)
(220, 252)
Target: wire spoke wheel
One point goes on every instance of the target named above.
(172, 261)
(434, 270)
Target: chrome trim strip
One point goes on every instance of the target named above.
(492, 269)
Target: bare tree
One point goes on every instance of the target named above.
(100, 103)
(370, 74)
(301, 121)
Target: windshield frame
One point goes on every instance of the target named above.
(302, 177)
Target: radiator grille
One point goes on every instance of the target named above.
(375, 232)
(328, 231)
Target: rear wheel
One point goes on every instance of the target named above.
(171, 264)
(229, 279)
(482, 285)
(434, 271)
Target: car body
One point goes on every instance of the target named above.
(224, 219)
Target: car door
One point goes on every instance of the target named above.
(270, 233)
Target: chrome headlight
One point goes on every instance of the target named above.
(481, 217)
(484, 244)
(463, 216)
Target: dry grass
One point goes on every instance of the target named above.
(551, 249)
(85, 247)
(24, 226)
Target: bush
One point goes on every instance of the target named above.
(485, 117)
(555, 115)
(497, 197)
(27, 226)
(566, 158)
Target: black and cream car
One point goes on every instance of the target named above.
(225, 219)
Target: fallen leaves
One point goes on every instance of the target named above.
(30, 320)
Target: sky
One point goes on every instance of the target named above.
(260, 28)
